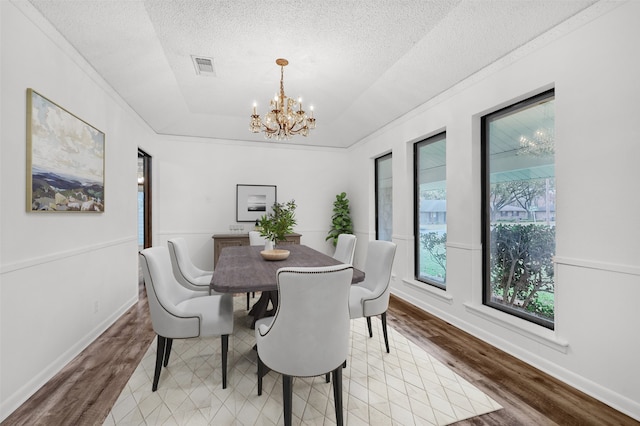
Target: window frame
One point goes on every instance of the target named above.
(416, 209)
(486, 208)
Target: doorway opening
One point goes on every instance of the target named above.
(144, 200)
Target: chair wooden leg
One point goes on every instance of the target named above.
(327, 377)
(248, 295)
(261, 373)
(287, 397)
(167, 351)
(369, 326)
(337, 394)
(384, 330)
(225, 350)
(159, 358)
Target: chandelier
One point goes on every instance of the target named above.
(540, 144)
(286, 117)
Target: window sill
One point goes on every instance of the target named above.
(522, 327)
(431, 290)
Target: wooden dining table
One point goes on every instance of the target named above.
(242, 269)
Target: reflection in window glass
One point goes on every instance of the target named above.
(519, 209)
(384, 198)
(431, 210)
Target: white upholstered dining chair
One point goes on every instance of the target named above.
(255, 239)
(180, 313)
(187, 274)
(345, 248)
(371, 296)
(309, 334)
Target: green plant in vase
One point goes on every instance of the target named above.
(276, 224)
(341, 219)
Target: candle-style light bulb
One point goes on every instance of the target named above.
(254, 108)
(311, 108)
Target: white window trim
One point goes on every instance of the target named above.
(430, 289)
(520, 326)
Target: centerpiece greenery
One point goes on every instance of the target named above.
(275, 225)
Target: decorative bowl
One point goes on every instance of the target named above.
(275, 254)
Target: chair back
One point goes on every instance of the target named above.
(164, 293)
(345, 248)
(255, 239)
(309, 334)
(377, 275)
(181, 261)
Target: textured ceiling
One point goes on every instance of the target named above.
(360, 64)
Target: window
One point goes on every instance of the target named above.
(384, 198)
(518, 197)
(430, 214)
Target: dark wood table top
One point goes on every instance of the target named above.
(242, 269)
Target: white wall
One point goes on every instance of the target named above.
(64, 277)
(194, 188)
(594, 68)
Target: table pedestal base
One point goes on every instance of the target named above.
(260, 308)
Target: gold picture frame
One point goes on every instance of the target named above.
(65, 159)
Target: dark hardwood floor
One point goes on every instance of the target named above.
(84, 391)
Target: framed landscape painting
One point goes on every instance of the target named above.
(254, 201)
(65, 159)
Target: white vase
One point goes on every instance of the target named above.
(268, 245)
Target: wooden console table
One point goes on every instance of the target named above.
(221, 241)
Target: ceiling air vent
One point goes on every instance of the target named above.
(204, 66)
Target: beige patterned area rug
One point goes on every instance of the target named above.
(404, 387)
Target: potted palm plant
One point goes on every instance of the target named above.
(275, 225)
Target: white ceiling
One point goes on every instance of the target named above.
(361, 64)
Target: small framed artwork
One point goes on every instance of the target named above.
(65, 159)
(254, 201)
